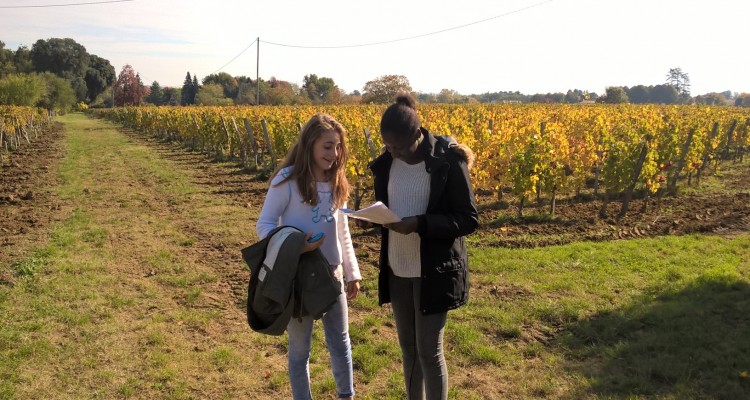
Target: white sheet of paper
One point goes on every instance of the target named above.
(376, 213)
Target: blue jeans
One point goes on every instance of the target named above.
(336, 329)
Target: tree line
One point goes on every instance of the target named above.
(224, 89)
(57, 73)
(675, 90)
(54, 74)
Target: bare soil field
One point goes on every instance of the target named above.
(27, 204)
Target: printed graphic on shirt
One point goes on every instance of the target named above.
(323, 215)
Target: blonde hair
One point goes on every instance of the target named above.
(300, 158)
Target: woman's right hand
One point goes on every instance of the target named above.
(314, 245)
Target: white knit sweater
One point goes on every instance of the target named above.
(284, 206)
(408, 195)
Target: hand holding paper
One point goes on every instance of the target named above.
(377, 213)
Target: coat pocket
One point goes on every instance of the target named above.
(454, 264)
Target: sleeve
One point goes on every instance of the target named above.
(349, 259)
(463, 218)
(276, 201)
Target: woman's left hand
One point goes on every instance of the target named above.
(312, 246)
(352, 289)
(405, 226)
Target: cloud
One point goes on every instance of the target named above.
(130, 34)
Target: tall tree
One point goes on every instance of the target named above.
(21, 90)
(188, 95)
(448, 96)
(616, 95)
(60, 56)
(212, 94)
(59, 95)
(742, 100)
(7, 66)
(337, 96)
(227, 82)
(128, 88)
(88, 74)
(318, 89)
(171, 96)
(639, 94)
(664, 94)
(196, 89)
(99, 76)
(141, 88)
(22, 60)
(681, 81)
(65, 58)
(712, 99)
(155, 95)
(574, 96)
(249, 88)
(15, 62)
(385, 89)
(279, 92)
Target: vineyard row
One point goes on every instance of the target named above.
(522, 150)
(19, 124)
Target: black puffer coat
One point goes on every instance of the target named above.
(451, 214)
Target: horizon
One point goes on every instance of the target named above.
(531, 47)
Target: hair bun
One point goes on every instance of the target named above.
(406, 99)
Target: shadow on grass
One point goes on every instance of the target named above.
(691, 343)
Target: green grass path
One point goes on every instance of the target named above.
(117, 303)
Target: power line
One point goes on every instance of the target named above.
(257, 40)
(68, 4)
(235, 57)
(143, 79)
(385, 41)
(411, 37)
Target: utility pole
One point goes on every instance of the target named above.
(257, 71)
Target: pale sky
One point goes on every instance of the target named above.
(531, 46)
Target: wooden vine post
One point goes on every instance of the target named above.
(707, 152)
(228, 136)
(634, 179)
(268, 143)
(672, 185)
(728, 145)
(240, 148)
(253, 142)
